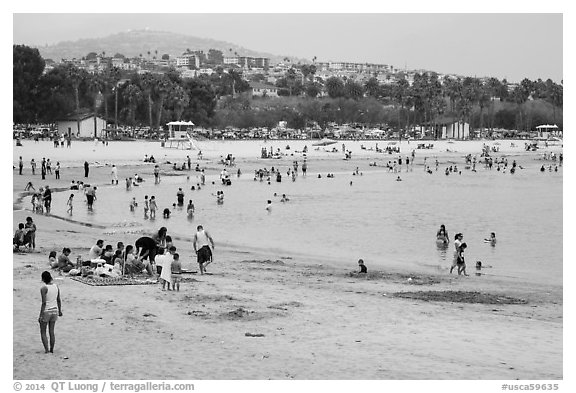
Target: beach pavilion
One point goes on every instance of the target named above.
(82, 125)
(547, 130)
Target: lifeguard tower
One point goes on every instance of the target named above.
(180, 136)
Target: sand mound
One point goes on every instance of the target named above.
(411, 279)
(264, 261)
(460, 297)
(241, 314)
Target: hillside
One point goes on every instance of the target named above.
(132, 43)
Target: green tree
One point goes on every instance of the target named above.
(179, 100)
(353, 90)
(27, 70)
(334, 87)
(133, 94)
(164, 88)
(148, 83)
(372, 87)
(53, 100)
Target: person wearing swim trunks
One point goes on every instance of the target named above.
(203, 245)
(176, 268)
(50, 310)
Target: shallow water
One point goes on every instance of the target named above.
(385, 222)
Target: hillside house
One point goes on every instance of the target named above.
(262, 90)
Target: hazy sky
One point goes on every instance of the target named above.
(511, 46)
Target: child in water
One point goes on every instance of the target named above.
(190, 208)
(133, 204)
(491, 239)
(146, 206)
(363, 268)
(461, 262)
(153, 207)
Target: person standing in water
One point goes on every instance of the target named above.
(69, 204)
(156, 174)
(114, 175)
(153, 207)
(190, 208)
(457, 242)
(442, 235)
(50, 310)
(180, 197)
(491, 239)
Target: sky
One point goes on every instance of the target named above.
(504, 45)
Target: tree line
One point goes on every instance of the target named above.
(224, 98)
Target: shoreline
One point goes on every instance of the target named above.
(309, 313)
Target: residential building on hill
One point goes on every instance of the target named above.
(263, 90)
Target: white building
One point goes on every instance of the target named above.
(188, 60)
(455, 130)
(260, 89)
(82, 126)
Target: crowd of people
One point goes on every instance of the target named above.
(154, 256)
(458, 261)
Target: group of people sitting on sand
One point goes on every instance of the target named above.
(149, 255)
(25, 236)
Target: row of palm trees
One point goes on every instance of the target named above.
(430, 98)
(427, 100)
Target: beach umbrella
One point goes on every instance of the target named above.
(324, 142)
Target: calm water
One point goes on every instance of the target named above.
(385, 222)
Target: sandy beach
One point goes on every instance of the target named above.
(263, 315)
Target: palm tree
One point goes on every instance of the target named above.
(180, 100)
(110, 79)
(75, 76)
(96, 85)
(484, 98)
(164, 87)
(148, 85)
(400, 92)
(493, 86)
(132, 94)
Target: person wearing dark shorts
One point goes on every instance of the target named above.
(203, 245)
(146, 247)
(204, 255)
